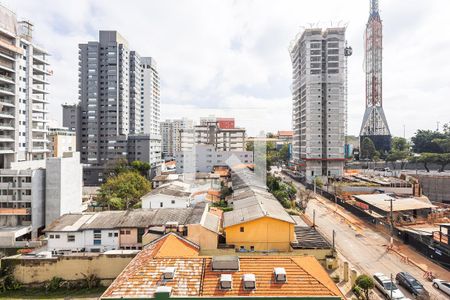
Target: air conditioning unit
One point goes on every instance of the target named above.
(226, 281)
(280, 275)
(249, 281)
(225, 263)
(169, 273)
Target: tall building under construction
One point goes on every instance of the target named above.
(319, 92)
(374, 125)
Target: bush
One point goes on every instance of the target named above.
(53, 284)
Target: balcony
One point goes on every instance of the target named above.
(38, 99)
(7, 66)
(38, 129)
(38, 108)
(7, 91)
(39, 149)
(8, 45)
(4, 138)
(40, 70)
(15, 211)
(38, 119)
(39, 89)
(7, 150)
(39, 79)
(40, 59)
(6, 115)
(6, 79)
(7, 102)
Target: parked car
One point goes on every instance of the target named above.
(442, 285)
(387, 287)
(412, 285)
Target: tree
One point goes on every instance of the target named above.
(399, 144)
(366, 283)
(443, 159)
(367, 148)
(425, 159)
(423, 141)
(318, 181)
(123, 190)
(141, 167)
(283, 153)
(402, 156)
(444, 144)
(249, 146)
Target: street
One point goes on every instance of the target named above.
(364, 248)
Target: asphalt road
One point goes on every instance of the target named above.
(365, 250)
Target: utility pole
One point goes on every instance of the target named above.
(392, 282)
(314, 218)
(391, 217)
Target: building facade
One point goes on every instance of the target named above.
(203, 158)
(171, 135)
(211, 133)
(319, 101)
(61, 140)
(24, 72)
(71, 119)
(113, 89)
(35, 193)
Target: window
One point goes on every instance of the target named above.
(116, 234)
(127, 232)
(110, 234)
(173, 201)
(122, 232)
(97, 242)
(160, 204)
(241, 229)
(56, 236)
(52, 236)
(252, 248)
(70, 238)
(97, 234)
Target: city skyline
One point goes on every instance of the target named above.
(242, 55)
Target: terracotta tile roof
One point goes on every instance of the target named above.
(300, 282)
(194, 276)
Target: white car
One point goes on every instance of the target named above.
(442, 285)
(387, 287)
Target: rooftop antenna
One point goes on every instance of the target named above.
(373, 7)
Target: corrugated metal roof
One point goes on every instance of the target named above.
(380, 201)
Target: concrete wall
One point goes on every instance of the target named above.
(105, 266)
(37, 200)
(64, 182)
(203, 237)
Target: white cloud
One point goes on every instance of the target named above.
(230, 58)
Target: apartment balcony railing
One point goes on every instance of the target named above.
(4, 114)
(40, 70)
(5, 78)
(37, 98)
(9, 66)
(7, 91)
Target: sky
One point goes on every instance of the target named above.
(231, 58)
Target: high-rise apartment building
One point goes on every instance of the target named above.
(150, 107)
(319, 91)
(113, 100)
(24, 72)
(71, 120)
(171, 135)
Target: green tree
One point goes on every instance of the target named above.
(443, 159)
(249, 146)
(425, 159)
(444, 144)
(402, 156)
(366, 283)
(283, 153)
(141, 167)
(367, 148)
(399, 144)
(423, 141)
(123, 191)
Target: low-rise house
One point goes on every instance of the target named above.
(172, 267)
(175, 194)
(110, 230)
(258, 222)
